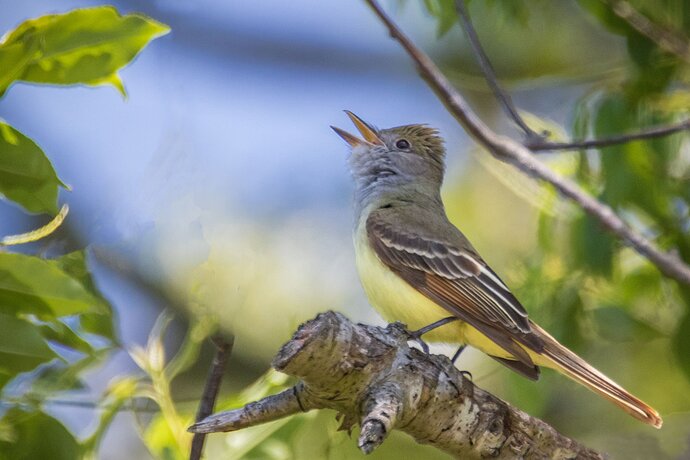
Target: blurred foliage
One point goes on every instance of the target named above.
(596, 295)
(166, 435)
(446, 15)
(54, 323)
(250, 272)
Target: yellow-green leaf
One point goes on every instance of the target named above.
(33, 285)
(86, 46)
(21, 346)
(13, 60)
(41, 232)
(98, 321)
(38, 435)
(26, 175)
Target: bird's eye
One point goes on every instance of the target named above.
(402, 144)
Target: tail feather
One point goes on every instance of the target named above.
(577, 369)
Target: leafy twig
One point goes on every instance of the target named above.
(510, 151)
(208, 399)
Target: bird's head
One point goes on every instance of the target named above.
(401, 157)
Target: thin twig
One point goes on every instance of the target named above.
(208, 399)
(667, 40)
(268, 409)
(535, 141)
(649, 133)
(510, 151)
(490, 74)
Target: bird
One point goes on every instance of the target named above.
(417, 268)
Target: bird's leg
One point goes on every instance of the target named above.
(432, 326)
(457, 354)
(417, 335)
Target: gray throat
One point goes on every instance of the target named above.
(383, 179)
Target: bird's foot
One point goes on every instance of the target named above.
(467, 375)
(422, 344)
(417, 335)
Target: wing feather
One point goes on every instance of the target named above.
(457, 279)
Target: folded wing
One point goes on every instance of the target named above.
(455, 277)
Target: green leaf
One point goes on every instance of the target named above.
(634, 172)
(38, 233)
(32, 285)
(681, 344)
(4, 379)
(447, 16)
(37, 435)
(591, 246)
(26, 175)
(614, 116)
(61, 376)
(13, 61)
(74, 264)
(643, 282)
(656, 69)
(22, 347)
(119, 392)
(100, 322)
(188, 353)
(605, 14)
(160, 440)
(59, 332)
(444, 11)
(617, 325)
(86, 46)
(566, 321)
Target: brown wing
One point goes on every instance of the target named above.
(457, 279)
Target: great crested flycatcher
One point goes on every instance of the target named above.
(416, 267)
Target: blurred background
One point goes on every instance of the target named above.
(217, 189)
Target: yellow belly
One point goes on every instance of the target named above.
(396, 300)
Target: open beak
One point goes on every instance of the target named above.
(369, 134)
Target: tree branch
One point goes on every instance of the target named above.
(371, 376)
(208, 399)
(649, 133)
(512, 152)
(534, 141)
(490, 74)
(666, 39)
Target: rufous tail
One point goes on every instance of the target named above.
(577, 369)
